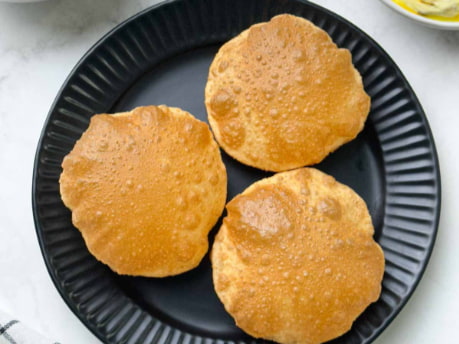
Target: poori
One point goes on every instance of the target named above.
(145, 188)
(295, 260)
(282, 95)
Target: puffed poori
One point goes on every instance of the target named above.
(145, 188)
(295, 260)
(282, 95)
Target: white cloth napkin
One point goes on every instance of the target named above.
(14, 332)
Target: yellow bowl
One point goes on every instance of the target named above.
(442, 24)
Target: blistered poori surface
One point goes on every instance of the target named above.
(281, 95)
(295, 260)
(145, 188)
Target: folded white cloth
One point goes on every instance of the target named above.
(14, 332)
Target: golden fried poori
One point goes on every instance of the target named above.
(145, 188)
(295, 260)
(282, 95)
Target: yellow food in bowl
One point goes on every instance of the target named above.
(443, 10)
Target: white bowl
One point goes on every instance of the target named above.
(437, 24)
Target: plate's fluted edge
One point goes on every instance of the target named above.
(49, 265)
(436, 170)
(436, 179)
(158, 327)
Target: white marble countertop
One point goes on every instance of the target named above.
(41, 42)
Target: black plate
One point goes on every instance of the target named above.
(162, 55)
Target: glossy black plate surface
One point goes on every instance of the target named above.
(162, 56)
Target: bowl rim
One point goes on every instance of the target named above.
(445, 25)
